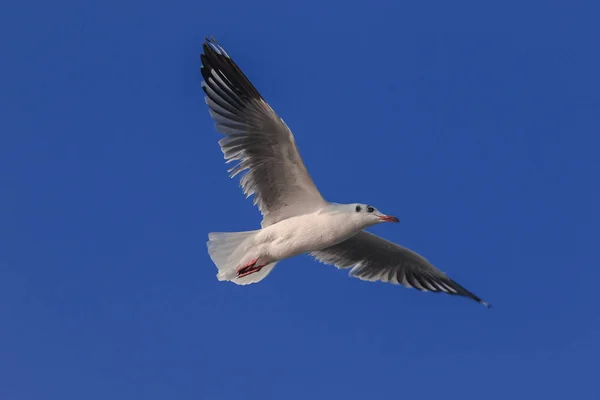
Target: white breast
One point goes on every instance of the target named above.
(306, 233)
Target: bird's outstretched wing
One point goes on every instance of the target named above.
(376, 259)
(257, 141)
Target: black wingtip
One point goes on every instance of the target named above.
(213, 44)
(215, 58)
(461, 291)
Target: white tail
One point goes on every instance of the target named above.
(227, 249)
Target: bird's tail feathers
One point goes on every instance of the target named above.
(227, 249)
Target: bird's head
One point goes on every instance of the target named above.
(369, 215)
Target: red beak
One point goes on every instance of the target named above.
(388, 218)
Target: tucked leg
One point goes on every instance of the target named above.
(249, 269)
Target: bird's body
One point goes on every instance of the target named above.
(305, 233)
(296, 218)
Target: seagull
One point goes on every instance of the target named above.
(296, 218)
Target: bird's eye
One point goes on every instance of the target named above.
(370, 209)
(357, 208)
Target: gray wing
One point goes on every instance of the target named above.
(376, 259)
(256, 140)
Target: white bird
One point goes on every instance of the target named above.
(296, 218)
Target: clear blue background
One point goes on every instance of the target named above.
(477, 123)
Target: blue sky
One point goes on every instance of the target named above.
(477, 123)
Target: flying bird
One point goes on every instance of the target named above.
(296, 218)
